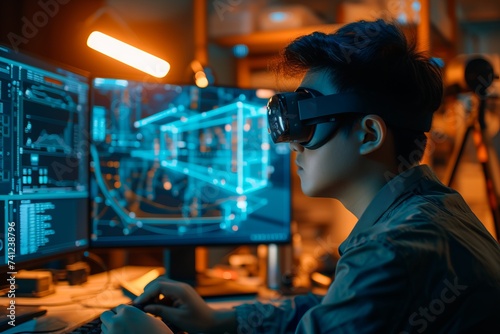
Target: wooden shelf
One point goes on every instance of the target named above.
(271, 41)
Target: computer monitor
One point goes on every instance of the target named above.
(178, 165)
(44, 195)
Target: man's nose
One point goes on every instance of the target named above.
(296, 147)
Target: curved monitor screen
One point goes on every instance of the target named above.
(179, 165)
(43, 159)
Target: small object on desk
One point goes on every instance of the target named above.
(224, 289)
(321, 279)
(289, 287)
(34, 283)
(77, 273)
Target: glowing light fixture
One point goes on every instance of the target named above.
(202, 74)
(128, 54)
(201, 79)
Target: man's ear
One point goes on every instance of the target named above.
(373, 132)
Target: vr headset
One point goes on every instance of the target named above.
(310, 118)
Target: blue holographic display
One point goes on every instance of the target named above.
(181, 165)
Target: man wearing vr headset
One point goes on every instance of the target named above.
(418, 260)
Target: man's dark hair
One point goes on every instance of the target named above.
(374, 57)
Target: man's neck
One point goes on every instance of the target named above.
(362, 192)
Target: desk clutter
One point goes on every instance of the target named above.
(70, 307)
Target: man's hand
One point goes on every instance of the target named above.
(125, 319)
(179, 304)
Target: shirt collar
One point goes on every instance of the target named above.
(387, 195)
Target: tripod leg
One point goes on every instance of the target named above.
(489, 164)
(486, 157)
(451, 171)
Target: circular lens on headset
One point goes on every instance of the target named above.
(284, 124)
(277, 123)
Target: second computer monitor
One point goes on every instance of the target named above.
(44, 193)
(179, 165)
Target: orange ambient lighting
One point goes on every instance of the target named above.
(128, 54)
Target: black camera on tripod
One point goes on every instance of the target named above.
(475, 74)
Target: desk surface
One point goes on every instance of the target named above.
(71, 306)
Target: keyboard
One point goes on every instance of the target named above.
(90, 327)
(94, 326)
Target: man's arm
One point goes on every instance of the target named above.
(370, 294)
(270, 318)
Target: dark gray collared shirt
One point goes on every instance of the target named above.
(417, 261)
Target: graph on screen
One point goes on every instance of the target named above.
(44, 158)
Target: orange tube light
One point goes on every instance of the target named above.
(128, 54)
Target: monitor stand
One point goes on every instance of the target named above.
(180, 265)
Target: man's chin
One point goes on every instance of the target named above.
(315, 192)
(310, 192)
